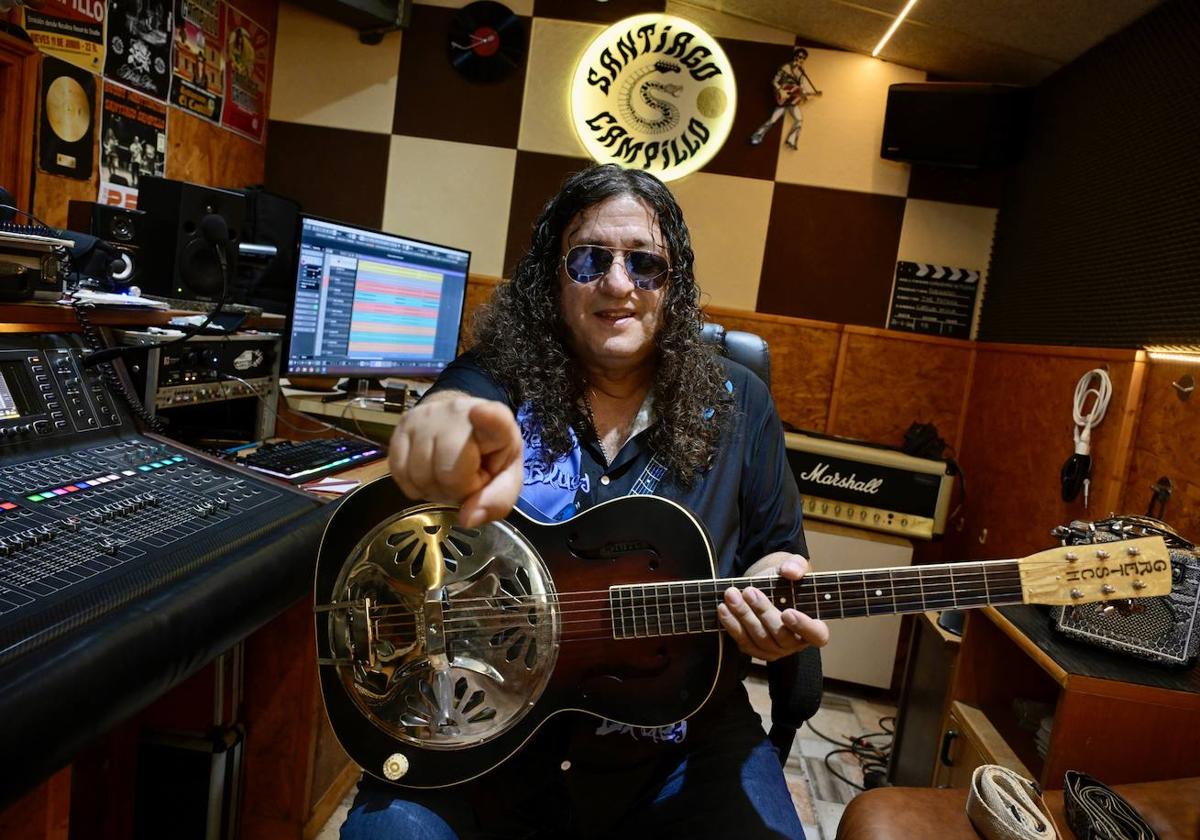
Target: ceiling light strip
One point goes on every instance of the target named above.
(892, 29)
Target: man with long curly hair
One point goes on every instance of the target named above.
(588, 380)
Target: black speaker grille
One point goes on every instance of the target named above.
(1098, 237)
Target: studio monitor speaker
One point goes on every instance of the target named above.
(183, 260)
(124, 230)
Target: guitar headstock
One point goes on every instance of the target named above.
(1105, 571)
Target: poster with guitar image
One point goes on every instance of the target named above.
(133, 143)
(198, 72)
(247, 74)
(139, 45)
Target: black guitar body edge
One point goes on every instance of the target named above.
(643, 682)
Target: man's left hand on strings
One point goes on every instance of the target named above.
(761, 629)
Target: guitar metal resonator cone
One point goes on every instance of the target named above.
(447, 635)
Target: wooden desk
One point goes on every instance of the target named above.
(296, 773)
(1114, 717)
(43, 316)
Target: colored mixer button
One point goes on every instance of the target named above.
(36, 497)
(72, 488)
(7, 505)
(144, 468)
(58, 491)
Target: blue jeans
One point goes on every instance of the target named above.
(727, 784)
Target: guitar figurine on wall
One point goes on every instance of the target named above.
(442, 649)
(792, 89)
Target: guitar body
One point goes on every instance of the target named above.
(444, 649)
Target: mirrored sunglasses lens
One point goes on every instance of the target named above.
(648, 270)
(586, 263)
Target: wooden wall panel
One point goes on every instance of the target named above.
(889, 380)
(1167, 443)
(1018, 433)
(803, 361)
(208, 154)
(19, 90)
(479, 290)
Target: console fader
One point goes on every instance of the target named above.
(93, 514)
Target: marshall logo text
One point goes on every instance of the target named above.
(820, 474)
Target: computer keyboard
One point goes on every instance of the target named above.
(303, 460)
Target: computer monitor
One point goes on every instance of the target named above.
(370, 304)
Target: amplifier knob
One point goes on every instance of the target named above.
(877, 517)
(903, 523)
(838, 510)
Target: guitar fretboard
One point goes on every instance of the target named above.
(670, 609)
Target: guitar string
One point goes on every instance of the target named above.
(643, 600)
(922, 574)
(466, 615)
(833, 579)
(501, 619)
(661, 592)
(811, 605)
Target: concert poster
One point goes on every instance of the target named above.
(67, 128)
(198, 72)
(133, 143)
(72, 30)
(247, 68)
(139, 45)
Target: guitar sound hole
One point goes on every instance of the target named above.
(464, 547)
(418, 561)
(503, 636)
(531, 654)
(514, 652)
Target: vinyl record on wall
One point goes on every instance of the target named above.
(486, 41)
(67, 125)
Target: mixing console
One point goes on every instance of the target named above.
(97, 515)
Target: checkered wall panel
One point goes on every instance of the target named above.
(391, 136)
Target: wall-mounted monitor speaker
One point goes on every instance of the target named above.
(956, 124)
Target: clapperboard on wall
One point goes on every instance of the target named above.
(933, 299)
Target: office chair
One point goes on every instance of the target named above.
(794, 682)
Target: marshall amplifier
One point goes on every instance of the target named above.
(1165, 630)
(868, 486)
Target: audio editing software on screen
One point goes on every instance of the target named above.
(374, 304)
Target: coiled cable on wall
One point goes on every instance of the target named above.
(1094, 386)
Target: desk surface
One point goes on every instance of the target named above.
(44, 316)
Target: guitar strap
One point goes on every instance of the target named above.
(1097, 812)
(653, 474)
(649, 480)
(1003, 805)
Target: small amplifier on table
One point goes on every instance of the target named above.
(1164, 630)
(31, 264)
(208, 370)
(870, 486)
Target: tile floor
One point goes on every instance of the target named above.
(820, 796)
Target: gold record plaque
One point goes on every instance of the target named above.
(68, 119)
(68, 109)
